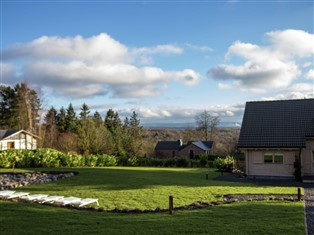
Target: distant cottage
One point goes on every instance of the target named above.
(17, 139)
(274, 134)
(170, 149)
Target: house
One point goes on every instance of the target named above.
(17, 139)
(276, 133)
(169, 149)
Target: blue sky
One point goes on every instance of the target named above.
(166, 60)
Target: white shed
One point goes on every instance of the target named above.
(17, 139)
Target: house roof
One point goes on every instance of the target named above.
(277, 124)
(205, 145)
(168, 145)
(176, 145)
(7, 133)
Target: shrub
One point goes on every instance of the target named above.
(171, 162)
(107, 160)
(203, 160)
(224, 164)
(132, 161)
(182, 162)
(157, 162)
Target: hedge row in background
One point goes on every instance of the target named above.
(54, 158)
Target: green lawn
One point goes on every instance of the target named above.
(148, 188)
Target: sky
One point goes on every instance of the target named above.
(166, 60)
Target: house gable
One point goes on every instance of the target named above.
(281, 128)
(277, 124)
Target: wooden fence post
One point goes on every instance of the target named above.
(171, 204)
(299, 194)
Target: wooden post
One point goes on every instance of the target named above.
(299, 194)
(171, 204)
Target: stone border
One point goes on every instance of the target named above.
(14, 180)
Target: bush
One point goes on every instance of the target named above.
(182, 162)
(203, 160)
(132, 161)
(224, 164)
(171, 162)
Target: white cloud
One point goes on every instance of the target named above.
(274, 66)
(310, 74)
(198, 48)
(292, 42)
(187, 115)
(295, 91)
(84, 67)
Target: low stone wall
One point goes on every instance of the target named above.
(14, 180)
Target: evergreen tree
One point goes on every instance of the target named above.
(112, 121)
(84, 111)
(61, 120)
(51, 128)
(132, 136)
(8, 119)
(70, 119)
(19, 107)
(98, 119)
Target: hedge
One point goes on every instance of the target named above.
(52, 158)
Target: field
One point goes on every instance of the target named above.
(149, 188)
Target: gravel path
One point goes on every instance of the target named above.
(309, 209)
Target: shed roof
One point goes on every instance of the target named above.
(6, 133)
(277, 124)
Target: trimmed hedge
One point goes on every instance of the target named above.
(53, 158)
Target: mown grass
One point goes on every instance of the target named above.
(148, 188)
(240, 218)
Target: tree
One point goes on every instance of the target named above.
(205, 123)
(98, 119)
(70, 119)
(112, 121)
(132, 135)
(19, 107)
(114, 126)
(8, 119)
(61, 120)
(27, 106)
(51, 128)
(84, 111)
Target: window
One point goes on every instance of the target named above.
(268, 158)
(273, 158)
(278, 158)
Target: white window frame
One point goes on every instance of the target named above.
(274, 155)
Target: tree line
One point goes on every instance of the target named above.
(64, 130)
(88, 133)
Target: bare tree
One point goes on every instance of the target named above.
(207, 123)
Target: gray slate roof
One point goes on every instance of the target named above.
(204, 145)
(275, 124)
(175, 145)
(6, 133)
(168, 145)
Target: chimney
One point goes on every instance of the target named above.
(180, 142)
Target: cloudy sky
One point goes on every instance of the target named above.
(166, 60)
